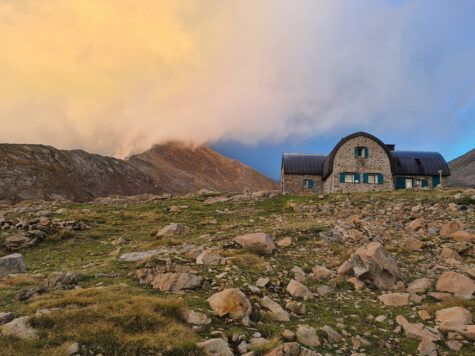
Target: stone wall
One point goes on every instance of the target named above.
(294, 184)
(345, 161)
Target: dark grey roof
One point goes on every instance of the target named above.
(419, 163)
(298, 163)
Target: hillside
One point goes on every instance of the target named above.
(44, 172)
(462, 171)
(388, 273)
(182, 169)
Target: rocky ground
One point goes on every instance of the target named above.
(261, 274)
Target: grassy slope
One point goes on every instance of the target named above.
(120, 317)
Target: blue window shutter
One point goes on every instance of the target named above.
(357, 177)
(400, 183)
(342, 177)
(356, 151)
(425, 183)
(380, 178)
(310, 184)
(366, 153)
(435, 181)
(365, 177)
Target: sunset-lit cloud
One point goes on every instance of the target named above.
(115, 77)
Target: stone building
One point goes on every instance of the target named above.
(361, 162)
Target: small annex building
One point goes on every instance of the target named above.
(361, 162)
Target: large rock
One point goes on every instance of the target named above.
(231, 302)
(277, 311)
(307, 336)
(420, 285)
(258, 242)
(215, 347)
(175, 229)
(18, 241)
(20, 328)
(456, 283)
(297, 289)
(416, 330)
(175, 281)
(210, 257)
(394, 299)
(375, 266)
(286, 349)
(12, 264)
(448, 228)
(196, 318)
(138, 256)
(463, 236)
(454, 315)
(56, 280)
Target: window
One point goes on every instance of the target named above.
(308, 183)
(349, 178)
(361, 152)
(372, 179)
(408, 182)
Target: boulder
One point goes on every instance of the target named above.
(231, 302)
(448, 228)
(420, 285)
(412, 244)
(12, 264)
(6, 317)
(20, 328)
(320, 273)
(394, 299)
(454, 315)
(17, 242)
(59, 280)
(286, 349)
(416, 330)
(176, 281)
(416, 224)
(138, 256)
(175, 229)
(333, 336)
(375, 266)
(307, 336)
(210, 257)
(295, 307)
(297, 289)
(277, 311)
(215, 347)
(452, 282)
(462, 236)
(258, 242)
(196, 318)
(357, 284)
(427, 348)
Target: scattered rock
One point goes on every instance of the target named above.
(20, 328)
(448, 228)
(320, 273)
(210, 257)
(297, 289)
(295, 307)
(416, 330)
(427, 348)
(215, 347)
(277, 311)
(230, 302)
(333, 336)
(394, 299)
(375, 266)
(420, 285)
(456, 283)
(196, 318)
(454, 315)
(170, 281)
(307, 336)
(12, 264)
(6, 317)
(175, 229)
(138, 256)
(258, 242)
(285, 242)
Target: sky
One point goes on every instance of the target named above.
(252, 78)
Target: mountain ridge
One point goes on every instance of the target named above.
(36, 171)
(462, 170)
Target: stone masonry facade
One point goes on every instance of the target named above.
(361, 162)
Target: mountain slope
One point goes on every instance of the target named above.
(44, 172)
(462, 171)
(182, 169)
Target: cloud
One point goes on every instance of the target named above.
(116, 77)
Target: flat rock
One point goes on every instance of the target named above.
(420, 285)
(277, 311)
(394, 299)
(416, 330)
(20, 328)
(196, 318)
(176, 281)
(210, 257)
(455, 315)
(12, 264)
(231, 302)
(215, 347)
(138, 256)
(297, 289)
(258, 242)
(459, 284)
(175, 229)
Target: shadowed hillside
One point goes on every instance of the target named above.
(463, 171)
